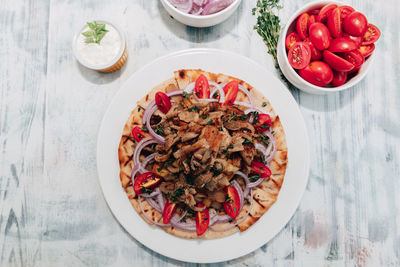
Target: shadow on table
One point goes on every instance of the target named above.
(99, 77)
(200, 35)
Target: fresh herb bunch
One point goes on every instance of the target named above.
(96, 32)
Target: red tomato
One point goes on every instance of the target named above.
(232, 201)
(168, 212)
(355, 57)
(302, 26)
(291, 39)
(319, 35)
(311, 20)
(261, 169)
(337, 63)
(317, 73)
(355, 24)
(201, 87)
(371, 35)
(314, 12)
(366, 50)
(231, 90)
(325, 12)
(342, 44)
(315, 53)
(334, 23)
(357, 39)
(345, 11)
(145, 182)
(339, 78)
(202, 220)
(262, 123)
(299, 55)
(137, 133)
(163, 102)
(356, 69)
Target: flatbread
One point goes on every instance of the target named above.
(265, 195)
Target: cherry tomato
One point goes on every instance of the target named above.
(302, 26)
(355, 57)
(311, 20)
(314, 12)
(315, 53)
(291, 39)
(145, 182)
(356, 69)
(337, 63)
(262, 123)
(319, 35)
(201, 87)
(339, 78)
(202, 220)
(371, 35)
(345, 11)
(232, 202)
(334, 23)
(355, 24)
(342, 44)
(366, 50)
(231, 90)
(317, 73)
(168, 212)
(163, 102)
(299, 55)
(325, 12)
(261, 169)
(357, 39)
(137, 133)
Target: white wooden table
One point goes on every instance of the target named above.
(52, 212)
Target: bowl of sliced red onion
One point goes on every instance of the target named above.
(200, 13)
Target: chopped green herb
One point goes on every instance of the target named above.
(210, 122)
(230, 146)
(96, 32)
(195, 109)
(272, 132)
(145, 190)
(215, 95)
(139, 109)
(177, 193)
(153, 146)
(159, 169)
(247, 201)
(254, 177)
(144, 129)
(243, 117)
(228, 199)
(247, 142)
(186, 95)
(159, 129)
(264, 104)
(204, 116)
(220, 129)
(216, 171)
(205, 219)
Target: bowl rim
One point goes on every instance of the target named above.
(202, 17)
(357, 78)
(123, 45)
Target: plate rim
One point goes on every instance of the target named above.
(305, 169)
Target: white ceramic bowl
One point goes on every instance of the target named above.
(200, 21)
(292, 75)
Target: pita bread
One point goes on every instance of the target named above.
(264, 196)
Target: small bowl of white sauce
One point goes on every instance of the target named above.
(100, 46)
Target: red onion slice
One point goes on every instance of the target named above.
(145, 162)
(147, 217)
(255, 109)
(134, 171)
(138, 149)
(220, 90)
(214, 6)
(248, 94)
(155, 193)
(273, 144)
(183, 5)
(154, 204)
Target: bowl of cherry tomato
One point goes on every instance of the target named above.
(326, 47)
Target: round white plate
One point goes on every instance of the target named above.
(238, 244)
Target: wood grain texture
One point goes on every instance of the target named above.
(52, 212)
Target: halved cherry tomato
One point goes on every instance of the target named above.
(299, 55)
(357, 39)
(291, 39)
(355, 70)
(335, 23)
(342, 44)
(355, 24)
(339, 78)
(337, 63)
(355, 57)
(325, 12)
(313, 12)
(311, 20)
(319, 35)
(202, 220)
(262, 123)
(315, 53)
(371, 35)
(201, 87)
(145, 182)
(302, 26)
(137, 133)
(163, 102)
(366, 50)
(345, 11)
(317, 73)
(232, 201)
(231, 90)
(261, 169)
(168, 212)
